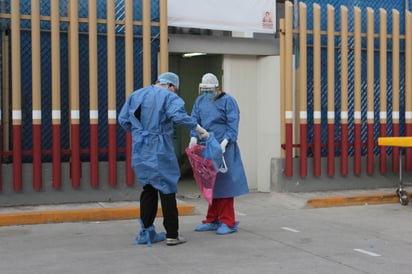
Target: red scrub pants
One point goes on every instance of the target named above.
(223, 210)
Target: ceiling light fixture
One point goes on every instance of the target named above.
(192, 54)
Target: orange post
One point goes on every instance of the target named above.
(129, 83)
(316, 90)
(382, 84)
(357, 91)
(370, 90)
(331, 91)
(93, 91)
(395, 87)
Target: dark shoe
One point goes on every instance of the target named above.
(179, 240)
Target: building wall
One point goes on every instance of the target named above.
(254, 82)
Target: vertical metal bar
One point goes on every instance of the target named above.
(74, 92)
(370, 90)
(344, 91)
(357, 92)
(303, 88)
(331, 90)
(408, 87)
(316, 90)
(164, 43)
(147, 64)
(395, 86)
(282, 51)
(129, 82)
(5, 95)
(16, 95)
(93, 90)
(382, 83)
(111, 82)
(36, 94)
(288, 89)
(56, 110)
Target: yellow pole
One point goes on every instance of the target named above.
(383, 67)
(164, 43)
(358, 64)
(74, 63)
(93, 65)
(357, 93)
(382, 84)
(395, 86)
(55, 48)
(111, 62)
(370, 66)
(36, 67)
(316, 90)
(147, 65)
(344, 65)
(395, 65)
(303, 87)
(129, 82)
(16, 62)
(129, 47)
(5, 91)
(331, 90)
(344, 90)
(282, 50)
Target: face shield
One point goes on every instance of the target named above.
(209, 90)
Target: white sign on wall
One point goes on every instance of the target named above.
(229, 15)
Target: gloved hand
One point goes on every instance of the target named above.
(223, 145)
(193, 141)
(203, 134)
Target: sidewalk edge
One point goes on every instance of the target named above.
(352, 200)
(80, 215)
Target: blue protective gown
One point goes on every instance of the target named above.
(222, 118)
(149, 114)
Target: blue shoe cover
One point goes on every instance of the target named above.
(225, 229)
(207, 226)
(149, 236)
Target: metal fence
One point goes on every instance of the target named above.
(67, 67)
(352, 85)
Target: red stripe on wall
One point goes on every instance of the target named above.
(331, 149)
(317, 151)
(17, 159)
(57, 174)
(94, 155)
(344, 170)
(358, 153)
(370, 146)
(129, 169)
(75, 160)
(288, 150)
(37, 163)
(112, 155)
(303, 150)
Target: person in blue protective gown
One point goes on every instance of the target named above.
(149, 114)
(218, 112)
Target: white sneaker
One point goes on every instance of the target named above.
(179, 240)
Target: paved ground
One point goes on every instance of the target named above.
(278, 233)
